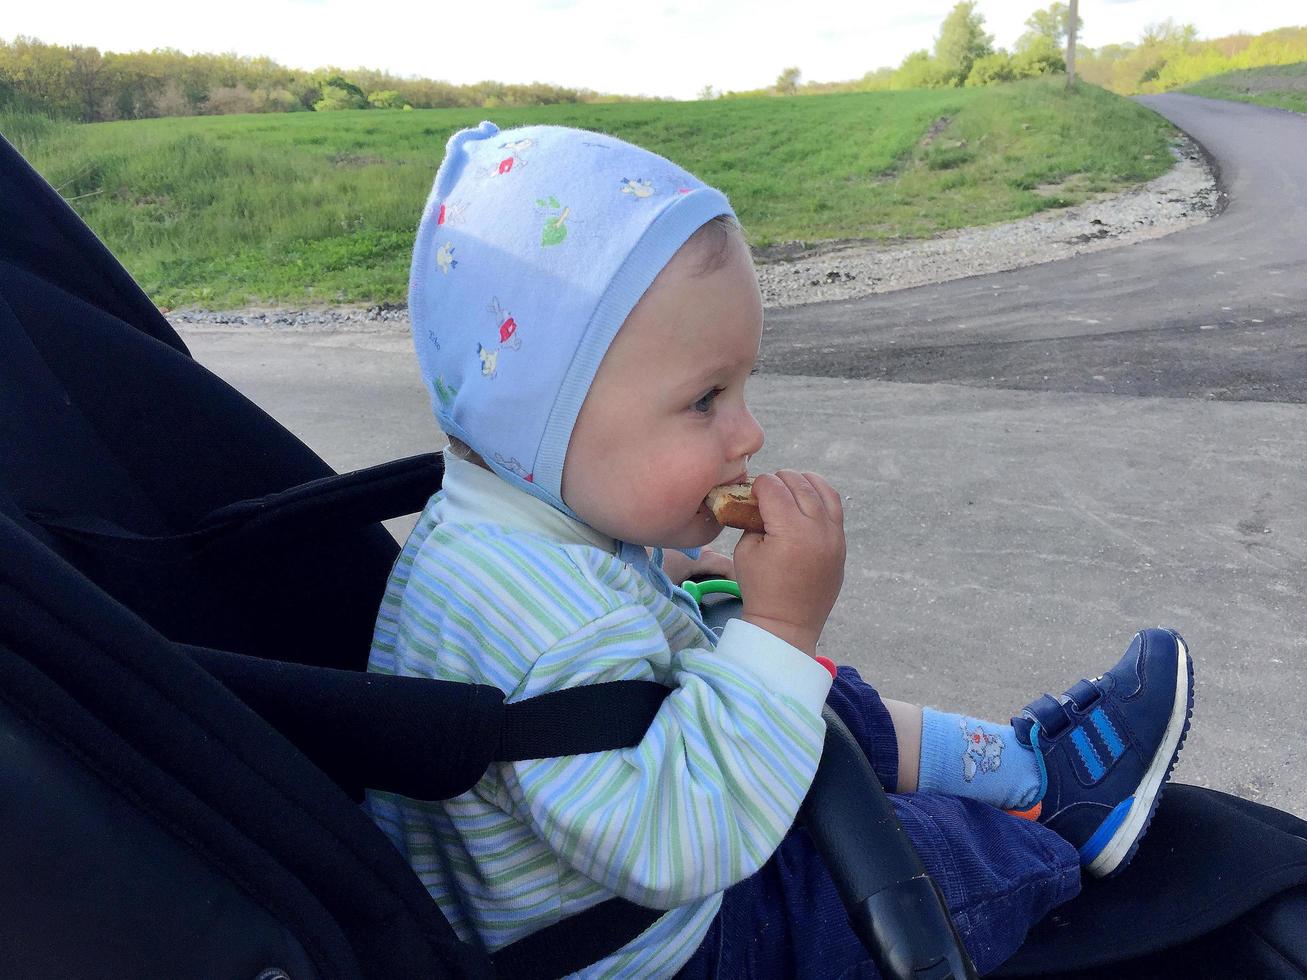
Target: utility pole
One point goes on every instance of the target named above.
(1071, 44)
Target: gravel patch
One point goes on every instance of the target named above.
(795, 273)
(386, 316)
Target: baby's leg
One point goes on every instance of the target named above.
(947, 769)
(957, 755)
(869, 722)
(890, 734)
(1090, 764)
(907, 732)
(999, 876)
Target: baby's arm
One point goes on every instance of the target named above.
(709, 793)
(715, 784)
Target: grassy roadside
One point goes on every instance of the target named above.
(320, 207)
(1282, 86)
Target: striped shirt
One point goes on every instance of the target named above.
(497, 587)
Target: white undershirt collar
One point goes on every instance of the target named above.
(473, 495)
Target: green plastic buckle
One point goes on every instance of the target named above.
(714, 586)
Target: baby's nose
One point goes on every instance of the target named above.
(752, 436)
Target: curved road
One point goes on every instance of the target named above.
(1216, 311)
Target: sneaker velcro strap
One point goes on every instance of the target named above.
(1084, 694)
(1051, 715)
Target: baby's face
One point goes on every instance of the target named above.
(665, 420)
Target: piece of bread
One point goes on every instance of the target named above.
(734, 505)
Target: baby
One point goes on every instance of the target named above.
(586, 316)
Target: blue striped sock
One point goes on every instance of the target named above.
(963, 756)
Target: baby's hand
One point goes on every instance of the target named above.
(790, 575)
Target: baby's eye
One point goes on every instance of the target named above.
(704, 404)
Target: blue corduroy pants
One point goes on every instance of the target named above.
(1000, 875)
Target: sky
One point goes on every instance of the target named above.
(656, 47)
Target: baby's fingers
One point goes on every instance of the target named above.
(830, 497)
(774, 497)
(806, 497)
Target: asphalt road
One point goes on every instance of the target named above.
(1217, 311)
(1004, 542)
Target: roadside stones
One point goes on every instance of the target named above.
(833, 275)
(323, 316)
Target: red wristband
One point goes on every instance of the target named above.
(826, 662)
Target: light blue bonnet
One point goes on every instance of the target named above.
(534, 246)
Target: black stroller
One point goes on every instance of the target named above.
(177, 799)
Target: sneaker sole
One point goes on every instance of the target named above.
(1121, 846)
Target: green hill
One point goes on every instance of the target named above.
(1282, 86)
(321, 207)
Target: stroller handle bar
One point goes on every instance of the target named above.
(894, 906)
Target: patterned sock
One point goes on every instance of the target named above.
(963, 756)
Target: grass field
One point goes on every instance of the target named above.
(1282, 86)
(321, 207)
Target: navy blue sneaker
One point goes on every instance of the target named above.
(1107, 746)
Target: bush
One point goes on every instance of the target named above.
(387, 99)
(230, 100)
(277, 100)
(307, 91)
(334, 97)
(171, 100)
(992, 68)
(787, 82)
(1039, 56)
(920, 70)
(339, 92)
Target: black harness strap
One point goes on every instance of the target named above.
(578, 720)
(335, 718)
(575, 942)
(377, 731)
(362, 497)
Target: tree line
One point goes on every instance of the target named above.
(963, 54)
(84, 84)
(1167, 56)
(88, 85)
